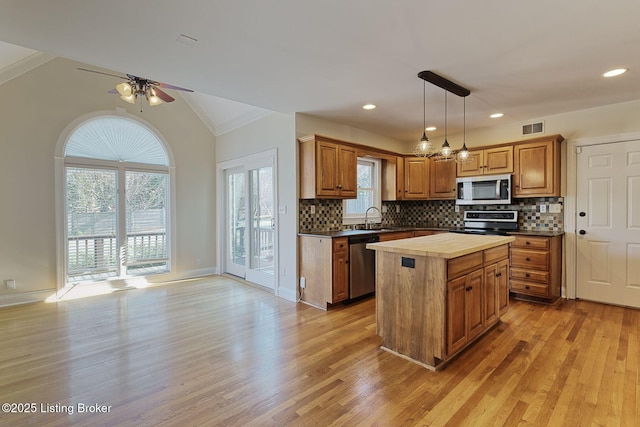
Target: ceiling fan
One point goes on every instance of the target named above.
(138, 87)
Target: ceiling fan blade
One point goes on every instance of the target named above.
(163, 95)
(168, 86)
(100, 72)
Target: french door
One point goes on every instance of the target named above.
(250, 223)
(608, 223)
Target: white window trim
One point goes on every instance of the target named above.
(374, 216)
(60, 189)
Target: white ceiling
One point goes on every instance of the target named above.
(527, 59)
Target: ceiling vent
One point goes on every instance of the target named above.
(533, 128)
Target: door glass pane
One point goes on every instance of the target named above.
(236, 218)
(91, 215)
(146, 222)
(263, 220)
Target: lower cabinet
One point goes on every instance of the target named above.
(340, 269)
(324, 264)
(477, 294)
(536, 267)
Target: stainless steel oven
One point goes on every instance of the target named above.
(483, 190)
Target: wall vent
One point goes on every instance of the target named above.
(533, 128)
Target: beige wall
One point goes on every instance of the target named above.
(35, 108)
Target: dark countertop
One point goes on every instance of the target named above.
(348, 233)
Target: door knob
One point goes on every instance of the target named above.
(582, 214)
(582, 232)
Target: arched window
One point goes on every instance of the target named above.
(116, 200)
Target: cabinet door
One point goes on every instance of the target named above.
(490, 288)
(498, 160)
(348, 170)
(534, 170)
(456, 314)
(474, 304)
(442, 179)
(502, 277)
(473, 165)
(340, 282)
(327, 169)
(416, 178)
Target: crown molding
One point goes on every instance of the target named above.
(24, 65)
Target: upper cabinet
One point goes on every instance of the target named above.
(537, 167)
(416, 178)
(393, 179)
(327, 169)
(442, 180)
(496, 160)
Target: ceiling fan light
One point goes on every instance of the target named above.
(153, 98)
(131, 99)
(124, 89)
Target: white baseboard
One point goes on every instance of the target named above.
(288, 294)
(26, 297)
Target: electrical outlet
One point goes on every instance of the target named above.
(384, 209)
(457, 208)
(11, 284)
(303, 283)
(543, 208)
(397, 208)
(312, 208)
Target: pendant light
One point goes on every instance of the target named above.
(463, 155)
(446, 153)
(424, 148)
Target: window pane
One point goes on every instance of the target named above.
(146, 211)
(365, 173)
(91, 201)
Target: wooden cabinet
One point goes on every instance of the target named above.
(396, 235)
(477, 294)
(442, 178)
(327, 169)
(416, 178)
(420, 233)
(489, 161)
(537, 168)
(393, 179)
(340, 268)
(324, 264)
(464, 300)
(536, 267)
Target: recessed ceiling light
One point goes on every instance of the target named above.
(496, 115)
(430, 128)
(369, 106)
(616, 72)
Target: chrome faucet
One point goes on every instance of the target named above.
(367, 224)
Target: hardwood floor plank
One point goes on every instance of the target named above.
(214, 351)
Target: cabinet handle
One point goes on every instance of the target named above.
(526, 287)
(339, 186)
(527, 259)
(469, 288)
(527, 243)
(499, 275)
(527, 275)
(346, 262)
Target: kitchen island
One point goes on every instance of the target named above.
(437, 294)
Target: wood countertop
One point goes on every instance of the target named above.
(446, 245)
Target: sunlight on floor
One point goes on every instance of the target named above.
(77, 291)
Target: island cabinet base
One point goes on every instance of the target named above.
(430, 307)
(409, 301)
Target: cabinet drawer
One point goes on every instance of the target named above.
(529, 288)
(536, 276)
(340, 244)
(538, 260)
(496, 254)
(464, 264)
(531, 242)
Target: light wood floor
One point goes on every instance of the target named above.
(217, 352)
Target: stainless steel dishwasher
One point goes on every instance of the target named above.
(362, 266)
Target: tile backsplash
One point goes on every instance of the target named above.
(430, 213)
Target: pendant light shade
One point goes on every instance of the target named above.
(463, 155)
(424, 148)
(446, 153)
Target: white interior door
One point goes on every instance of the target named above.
(608, 223)
(251, 222)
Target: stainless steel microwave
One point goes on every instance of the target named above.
(483, 190)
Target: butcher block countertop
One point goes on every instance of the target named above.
(446, 245)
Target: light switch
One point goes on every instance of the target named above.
(282, 209)
(543, 208)
(312, 208)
